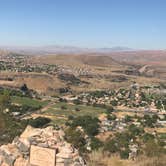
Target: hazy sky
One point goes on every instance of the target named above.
(85, 23)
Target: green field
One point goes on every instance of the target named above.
(59, 111)
(28, 101)
(70, 109)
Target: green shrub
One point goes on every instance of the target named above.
(110, 109)
(147, 137)
(111, 117)
(88, 123)
(111, 146)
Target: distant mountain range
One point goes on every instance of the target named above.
(121, 54)
(55, 49)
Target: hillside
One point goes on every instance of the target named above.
(79, 59)
(155, 60)
(151, 57)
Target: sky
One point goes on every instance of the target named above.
(139, 24)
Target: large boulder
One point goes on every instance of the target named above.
(18, 153)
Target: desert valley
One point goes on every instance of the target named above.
(82, 83)
(100, 103)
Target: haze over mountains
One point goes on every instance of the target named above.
(57, 49)
(119, 53)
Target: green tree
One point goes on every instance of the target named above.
(134, 130)
(76, 138)
(150, 121)
(24, 88)
(95, 143)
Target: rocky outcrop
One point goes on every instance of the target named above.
(18, 152)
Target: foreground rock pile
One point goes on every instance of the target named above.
(18, 152)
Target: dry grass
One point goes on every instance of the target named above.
(98, 158)
(158, 130)
(153, 161)
(40, 82)
(123, 113)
